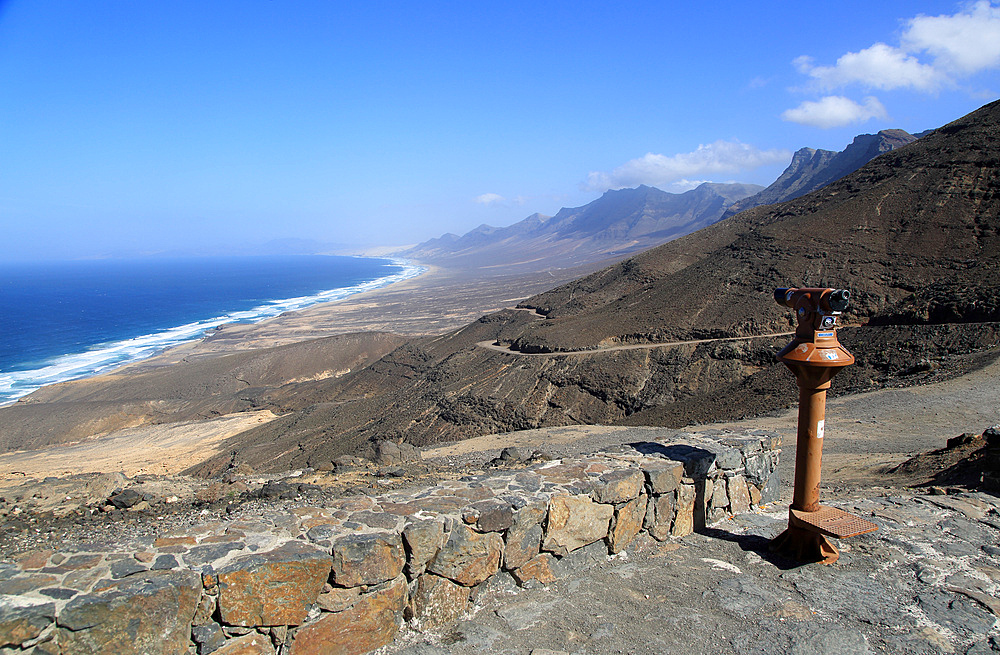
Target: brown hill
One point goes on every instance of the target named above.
(913, 234)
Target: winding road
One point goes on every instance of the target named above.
(492, 345)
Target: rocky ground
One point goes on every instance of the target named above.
(925, 582)
(928, 581)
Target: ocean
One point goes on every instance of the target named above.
(68, 320)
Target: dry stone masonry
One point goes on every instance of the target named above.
(344, 577)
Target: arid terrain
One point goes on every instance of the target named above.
(429, 381)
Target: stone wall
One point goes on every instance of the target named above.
(343, 578)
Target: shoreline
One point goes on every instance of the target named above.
(205, 378)
(187, 335)
(432, 303)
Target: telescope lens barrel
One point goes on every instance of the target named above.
(838, 299)
(834, 300)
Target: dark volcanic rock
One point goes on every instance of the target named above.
(21, 624)
(272, 588)
(125, 499)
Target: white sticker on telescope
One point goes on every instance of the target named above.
(820, 429)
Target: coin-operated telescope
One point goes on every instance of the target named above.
(814, 356)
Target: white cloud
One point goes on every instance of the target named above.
(933, 53)
(680, 186)
(835, 111)
(661, 170)
(879, 67)
(490, 199)
(964, 43)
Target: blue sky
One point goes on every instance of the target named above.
(137, 127)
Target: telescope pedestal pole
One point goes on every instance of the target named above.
(809, 446)
(809, 523)
(798, 541)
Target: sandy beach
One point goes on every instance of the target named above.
(152, 449)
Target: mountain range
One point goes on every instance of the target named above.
(619, 222)
(812, 169)
(626, 221)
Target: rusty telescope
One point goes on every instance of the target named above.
(814, 356)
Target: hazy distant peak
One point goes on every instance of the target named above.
(729, 191)
(618, 222)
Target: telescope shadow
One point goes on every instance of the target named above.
(755, 544)
(692, 457)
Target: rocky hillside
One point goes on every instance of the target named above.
(913, 234)
(813, 169)
(617, 223)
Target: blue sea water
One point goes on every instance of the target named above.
(67, 320)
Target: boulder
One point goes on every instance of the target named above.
(423, 538)
(739, 494)
(371, 623)
(524, 537)
(387, 453)
(143, 614)
(437, 601)
(125, 499)
(338, 599)
(618, 486)
(660, 513)
(493, 515)
(663, 476)
(251, 644)
(627, 524)
(367, 559)
(103, 486)
(468, 557)
(574, 522)
(537, 568)
(272, 588)
(20, 623)
(684, 519)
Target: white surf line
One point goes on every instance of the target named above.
(491, 345)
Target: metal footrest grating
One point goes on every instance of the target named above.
(831, 521)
